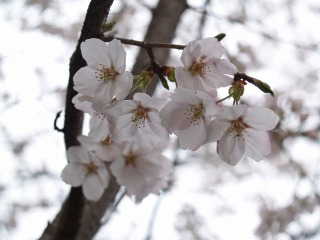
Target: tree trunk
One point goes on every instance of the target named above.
(80, 219)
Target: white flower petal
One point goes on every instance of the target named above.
(230, 113)
(74, 174)
(117, 55)
(104, 93)
(216, 129)
(85, 81)
(94, 51)
(83, 103)
(193, 137)
(173, 116)
(184, 78)
(123, 85)
(192, 49)
(77, 155)
(222, 66)
(99, 127)
(104, 176)
(215, 80)
(257, 144)
(211, 48)
(260, 118)
(93, 188)
(231, 149)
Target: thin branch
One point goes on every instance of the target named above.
(144, 44)
(244, 77)
(55, 126)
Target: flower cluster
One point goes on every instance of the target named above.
(126, 137)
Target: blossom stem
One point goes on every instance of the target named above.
(135, 86)
(221, 100)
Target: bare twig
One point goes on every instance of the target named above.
(144, 44)
(55, 126)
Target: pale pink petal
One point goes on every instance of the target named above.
(184, 78)
(77, 155)
(104, 93)
(231, 149)
(123, 84)
(156, 127)
(87, 143)
(192, 49)
(117, 55)
(260, 118)
(83, 103)
(257, 144)
(185, 96)
(221, 66)
(104, 176)
(215, 130)
(85, 81)
(94, 51)
(217, 80)
(231, 113)
(211, 48)
(99, 127)
(74, 174)
(193, 137)
(93, 188)
(173, 117)
(149, 102)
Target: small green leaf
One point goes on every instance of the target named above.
(164, 83)
(264, 87)
(220, 36)
(108, 26)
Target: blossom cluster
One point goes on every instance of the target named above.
(126, 137)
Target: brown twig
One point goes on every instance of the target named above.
(244, 77)
(144, 44)
(55, 126)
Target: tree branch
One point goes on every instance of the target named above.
(144, 44)
(68, 221)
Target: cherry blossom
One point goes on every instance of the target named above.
(99, 122)
(105, 75)
(86, 170)
(141, 171)
(202, 67)
(138, 121)
(104, 150)
(188, 115)
(241, 130)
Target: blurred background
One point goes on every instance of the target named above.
(276, 41)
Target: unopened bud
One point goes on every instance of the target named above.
(237, 90)
(145, 78)
(220, 36)
(171, 75)
(264, 87)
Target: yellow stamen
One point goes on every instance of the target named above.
(106, 74)
(139, 117)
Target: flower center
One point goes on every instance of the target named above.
(91, 168)
(237, 128)
(105, 74)
(194, 113)
(130, 159)
(139, 116)
(99, 115)
(199, 68)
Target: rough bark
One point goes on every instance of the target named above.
(67, 223)
(80, 219)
